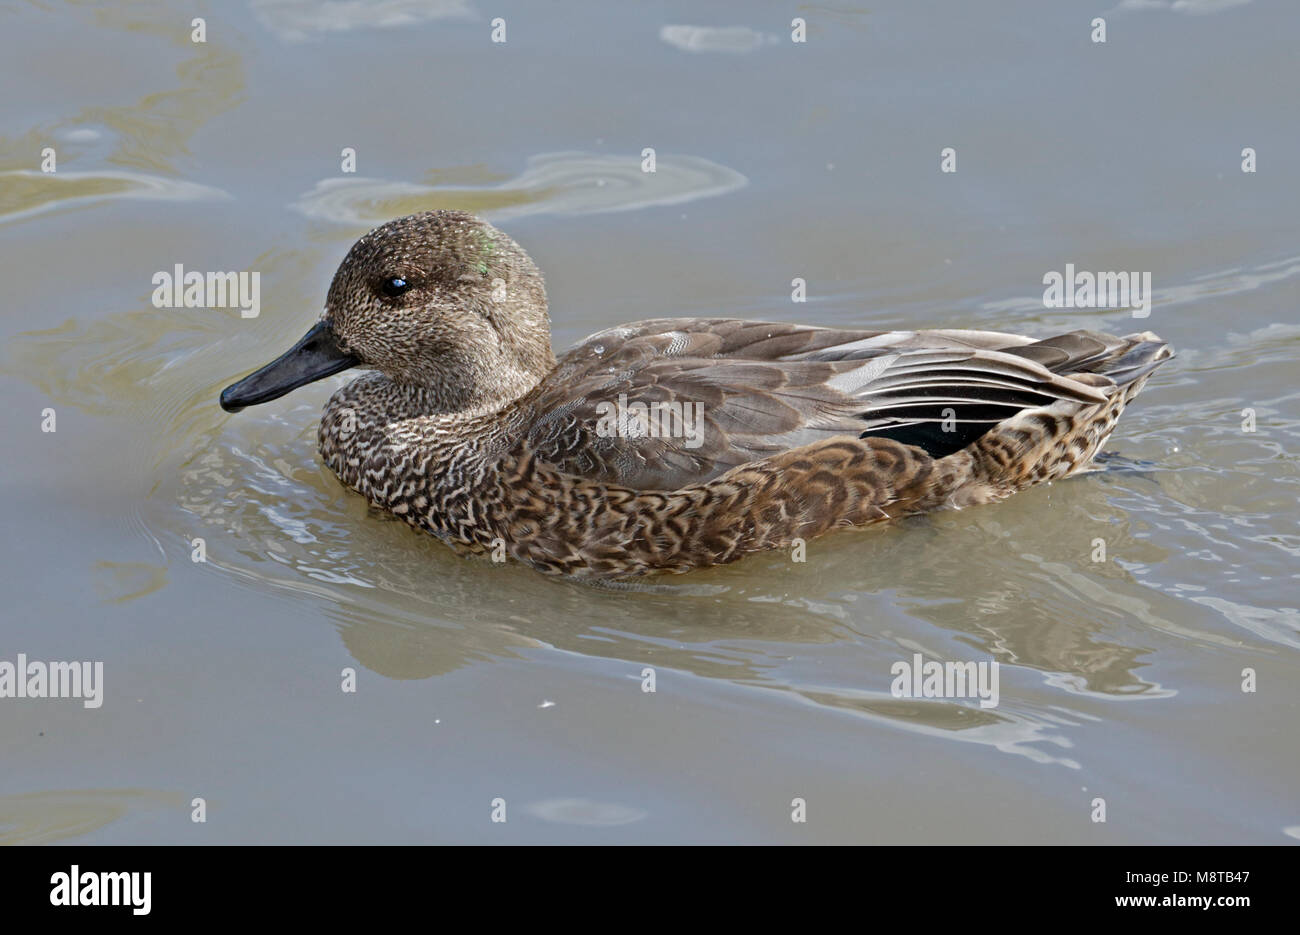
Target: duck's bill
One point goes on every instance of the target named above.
(313, 358)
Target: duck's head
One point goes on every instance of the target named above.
(441, 302)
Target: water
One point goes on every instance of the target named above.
(1120, 680)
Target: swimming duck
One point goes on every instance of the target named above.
(469, 428)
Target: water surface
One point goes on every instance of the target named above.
(1120, 679)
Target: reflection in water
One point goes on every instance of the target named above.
(1280, 625)
(553, 183)
(50, 817)
(1008, 731)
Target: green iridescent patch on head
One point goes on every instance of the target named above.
(487, 248)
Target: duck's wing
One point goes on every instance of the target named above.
(658, 405)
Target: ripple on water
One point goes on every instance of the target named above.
(715, 38)
(553, 183)
(1215, 284)
(26, 193)
(298, 20)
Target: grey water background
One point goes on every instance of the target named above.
(1120, 680)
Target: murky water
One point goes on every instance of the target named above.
(1120, 680)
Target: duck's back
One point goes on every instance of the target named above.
(664, 404)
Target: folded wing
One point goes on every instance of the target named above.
(658, 405)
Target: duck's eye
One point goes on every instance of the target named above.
(394, 287)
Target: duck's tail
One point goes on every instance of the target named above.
(1142, 354)
(1055, 441)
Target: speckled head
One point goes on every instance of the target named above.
(440, 301)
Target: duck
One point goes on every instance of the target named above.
(672, 444)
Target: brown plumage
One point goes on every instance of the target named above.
(672, 444)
